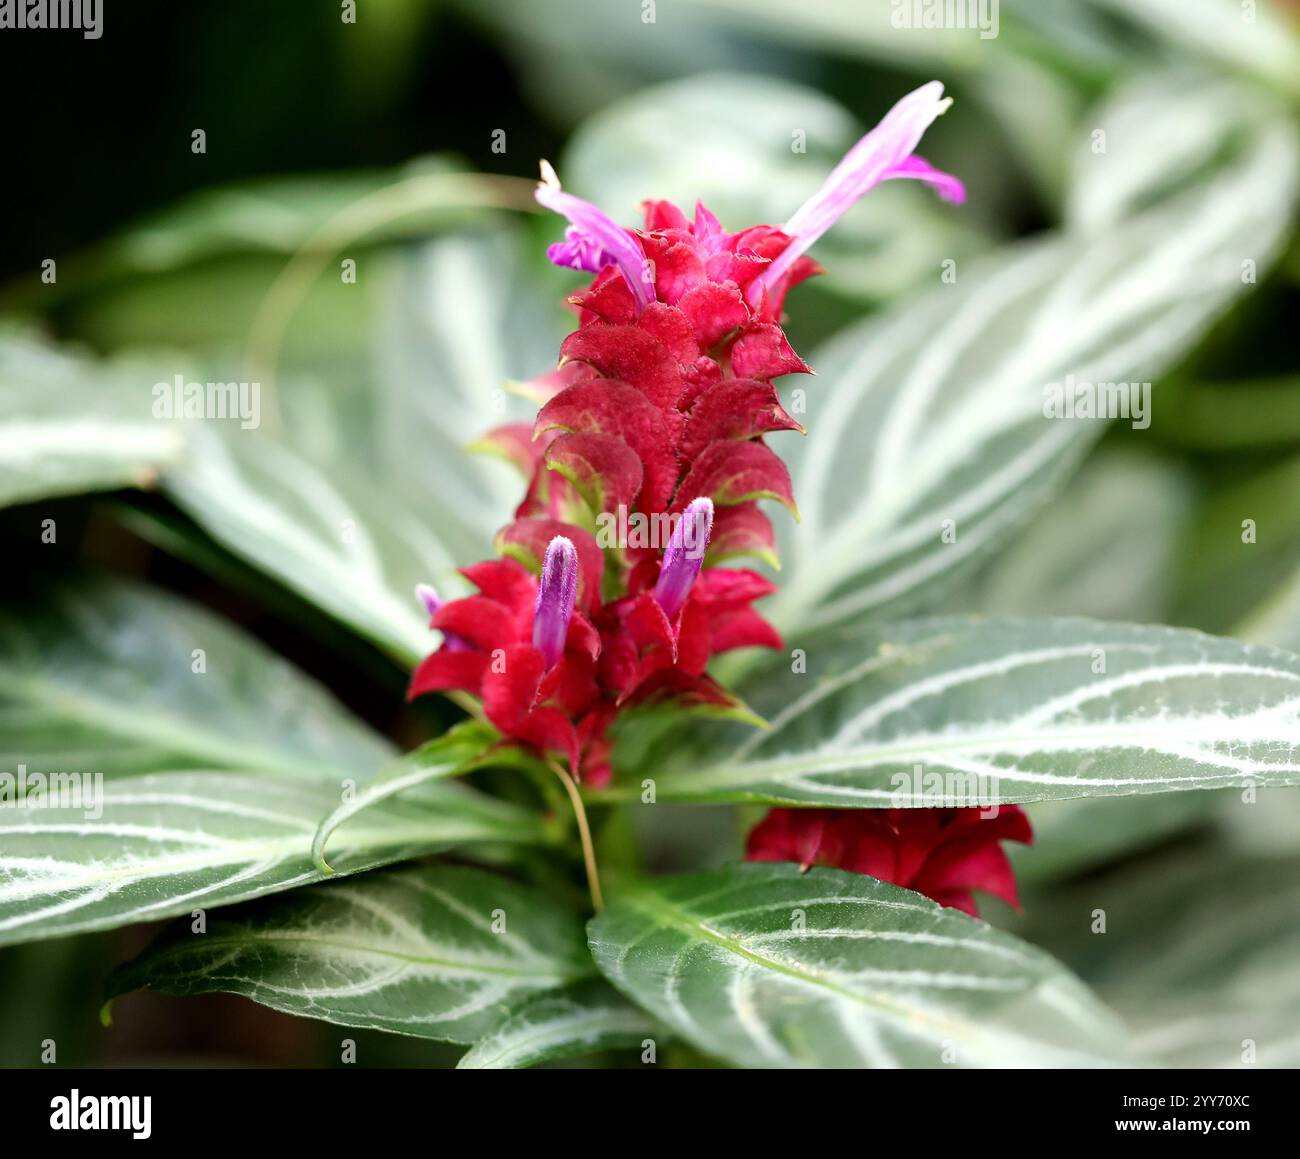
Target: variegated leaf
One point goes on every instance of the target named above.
(101, 676)
(765, 966)
(432, 951)
(960, 711)
(929, 439)
(143, 848)
(581, 1019)
(73, 425)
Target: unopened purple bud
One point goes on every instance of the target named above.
(684, 556)
(556, 595)
(428, 596)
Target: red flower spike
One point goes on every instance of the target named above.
(663, 397)
(945, 854)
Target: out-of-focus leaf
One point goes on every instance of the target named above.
(103, 676)
(929, 442)
(1242, 556)
(168, 843)
(1199, 954)
(1082, 834)
(71, 424)
(458, 320)
(319, 528)
(1263, 411)
(969, 711)
(1109, 547)
(581, 1019)
(275, 215)
(765, 966)
(435, 952)
(1154, 133)
(1253, 38)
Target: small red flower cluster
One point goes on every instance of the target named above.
(653, 411)
(943, 853)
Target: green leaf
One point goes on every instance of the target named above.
(1263, 45)
(929, 443)
(1199, 953)
(582, 1019)
(957, 711)
(766, 966)
(448, 756)
(430, 951)
(1071, 837)
(74, 425)
(104, 676)
(165, 844)
(324, 533)
(1112, 559)
(1161, 129)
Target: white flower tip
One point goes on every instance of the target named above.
(549, 176)
(943, 106)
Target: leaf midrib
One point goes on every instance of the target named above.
(561, 977)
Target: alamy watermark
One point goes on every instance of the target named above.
(1073, 399)
(83, 792)
(638, 531)
(938, 788)
(179, 399)
(975, 15)
(86, 15)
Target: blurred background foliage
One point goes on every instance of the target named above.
(374, 142)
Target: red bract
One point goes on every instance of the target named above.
(946, 854)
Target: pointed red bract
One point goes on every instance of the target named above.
(945, 854)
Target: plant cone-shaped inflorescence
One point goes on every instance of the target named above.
(644, 469)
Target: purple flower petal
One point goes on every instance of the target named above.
(594, 240)
(945, 185)
(684, 556)
(883, 154)
(556, 595)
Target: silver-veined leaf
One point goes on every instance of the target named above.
(957, 711)
(582, 1019)
(431, 951)
(765, 966)
(928, 431)
(75, 425)
(104, 676)
(1199, 953)
(326, 535)
(150, 847)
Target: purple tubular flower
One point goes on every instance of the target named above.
(883, 154)
(556, 595)
(594, 240)
(428, 596)
(684, 556)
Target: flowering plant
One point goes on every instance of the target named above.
(729, 722)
